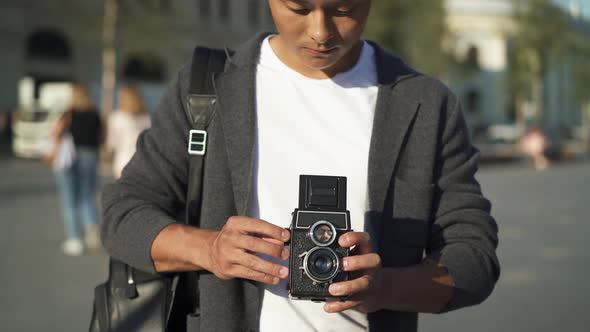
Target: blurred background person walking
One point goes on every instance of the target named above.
(124, 126)
(534, 144)
(76, 137)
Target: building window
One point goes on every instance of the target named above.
(48, 44)
(253, 12)
(473, 101)
(144, 67)
(224, 10)
(205, 8)
(472, 58)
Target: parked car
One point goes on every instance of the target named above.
(31, 132)
(500, 142)
(32, 123)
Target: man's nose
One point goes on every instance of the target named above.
(320, 27)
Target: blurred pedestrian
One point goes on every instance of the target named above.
(124, 126)
(534, 144)
(76, 137)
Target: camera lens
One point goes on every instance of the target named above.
(321, 264)
(322, 233)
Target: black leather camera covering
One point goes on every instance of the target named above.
(300, 286)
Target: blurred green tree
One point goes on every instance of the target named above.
(413, 30)
(134, 19)
(581, 69)
(540, 41)
(137, 15)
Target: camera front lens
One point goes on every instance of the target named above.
(322, 233)
(321, 264)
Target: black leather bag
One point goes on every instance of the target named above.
(133, 300)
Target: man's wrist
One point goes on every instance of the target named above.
(384, 294)
(425, 287)
(388, 293)
(200, 243)
(180, 247)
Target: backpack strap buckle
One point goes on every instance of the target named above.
(197, 142)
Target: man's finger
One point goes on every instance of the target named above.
(361, 262)
(268, 239)
(260, 246)
(255, 263)
(338, 306)
(361, 240)
(243, 272)
(350, 287)
(260, 227)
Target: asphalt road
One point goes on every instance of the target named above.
(542, 215)
(544, 253)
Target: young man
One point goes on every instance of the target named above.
(313, 99)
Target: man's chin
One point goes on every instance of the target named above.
(320, 64)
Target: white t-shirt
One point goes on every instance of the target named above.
(312, 127)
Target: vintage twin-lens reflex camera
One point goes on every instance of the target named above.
(318, 223)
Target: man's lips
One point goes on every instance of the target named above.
(320, 52)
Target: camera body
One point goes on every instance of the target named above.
(317, 224)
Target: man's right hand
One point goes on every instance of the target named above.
(229, 253)
(233, 250)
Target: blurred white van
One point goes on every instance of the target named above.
(32, 123)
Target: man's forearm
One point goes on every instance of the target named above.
(426, 287)
(181, 248)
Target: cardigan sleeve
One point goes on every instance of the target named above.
(151, 192)
(463, 236)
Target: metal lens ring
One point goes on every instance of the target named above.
(321, 264)
(322, 233)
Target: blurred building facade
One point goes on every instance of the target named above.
(60, 40)
(481, 32)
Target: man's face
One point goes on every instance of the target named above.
(319, 38)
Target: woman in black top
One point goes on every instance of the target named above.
(77, 177)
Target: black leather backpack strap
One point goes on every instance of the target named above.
(200, 107)
(132, 300)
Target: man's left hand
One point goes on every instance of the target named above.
(363, 288)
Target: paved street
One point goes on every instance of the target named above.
(42, 290)
(544, 227)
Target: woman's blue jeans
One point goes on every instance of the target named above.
(77, 192)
